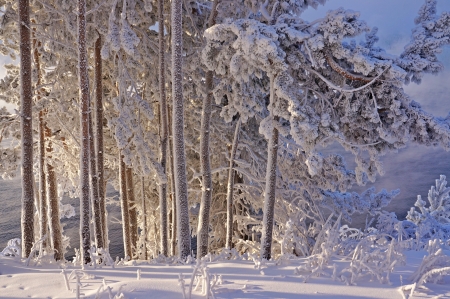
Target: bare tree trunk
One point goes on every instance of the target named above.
(230, 187)
(84, 131)
(163, 131)
(53, 204)
(205, 163)
(124, 206)
(43, 220)
(132, 209)
(172, 194)
(183, 232)
(26, 102)
(144, 218)
(99, 138)
(271, 181)
(98, 233)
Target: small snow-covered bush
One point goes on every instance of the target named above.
(13, 248)
(376, 256)
(433, 221)
(433, 267)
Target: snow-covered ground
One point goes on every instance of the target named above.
(235, 279)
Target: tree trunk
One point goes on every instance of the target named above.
(271, 181)
(163, 131)
(53, 205)
(99, 138)
(26, 101)
(172, 194)
(124, 206)
(98, 233)
(230, 188)
(43, 220)
(144, 219)
(183, 232)
(205, 163)
(84, 131)
(132, 209)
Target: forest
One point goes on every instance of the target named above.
(210, 118)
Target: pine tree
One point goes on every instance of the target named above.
(230, 187)
(26, 100)
(124, 207)
(205, 163)
(99, 138)
(163, 132)
(97, 214)
(84, 133)
(43, 222)
(173, 237)
(53, 204)
(183, 232)
(131, 209)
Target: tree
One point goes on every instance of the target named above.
(183, 232)
(26, 128)
(230, 187)
(99, 139)
(205, 203)
(127, 243)
(84, 133)
(163, 132)
(318, 109)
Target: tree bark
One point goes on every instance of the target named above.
(132, 209)
(205, 163)
(271, 181)
(172, 194)
(53, 204)
(84, 131)
(230, 188)
(43, 219)
(98, 233)
(183, 232)
(26, 101)
(99, 138)
(163, 132)
(144, 218)
(124, 206)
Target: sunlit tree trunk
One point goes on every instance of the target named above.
(230, 187)
(98, 233)
(53, 204)
(43, 219)
(163, 132)
(124, 206)
(173, 240)
(99, 138)
(271, 181)
(132, 209)
(26, 101)
(84, 131)
(183, 231)
(205, 163)
(144, 218)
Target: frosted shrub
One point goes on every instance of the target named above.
(375, 256)
(433, 267)
(433, 221)
(13, 248)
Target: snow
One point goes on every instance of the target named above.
(240, 279)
